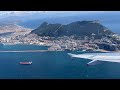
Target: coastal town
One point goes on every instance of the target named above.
(21, 35)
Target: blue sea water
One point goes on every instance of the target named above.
(52, 65)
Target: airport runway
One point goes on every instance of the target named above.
(28, 51)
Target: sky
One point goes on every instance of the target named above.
(53, 13)
(17, 13)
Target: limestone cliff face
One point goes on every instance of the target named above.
(78, 28)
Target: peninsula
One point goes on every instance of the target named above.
(79, 35)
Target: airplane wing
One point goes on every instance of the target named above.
(94, 62)
(81, 56)
(111, 60)
(71, 54)
(96, 58)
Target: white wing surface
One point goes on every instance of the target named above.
(98, 58)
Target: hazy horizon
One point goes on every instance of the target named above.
(33, 19)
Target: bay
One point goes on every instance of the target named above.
(52, 65)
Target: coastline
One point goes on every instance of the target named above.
(99, 50)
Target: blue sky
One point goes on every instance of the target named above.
(2, 13)
(60, 13)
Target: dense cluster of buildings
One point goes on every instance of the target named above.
(62, 43)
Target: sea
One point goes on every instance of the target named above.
(51, 65)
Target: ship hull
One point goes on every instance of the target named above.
(25, 63)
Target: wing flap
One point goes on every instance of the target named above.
(93, 62)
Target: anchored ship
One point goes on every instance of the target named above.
(26, 63)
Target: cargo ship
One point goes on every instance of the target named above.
(26, 63)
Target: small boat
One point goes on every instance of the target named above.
(26, 63)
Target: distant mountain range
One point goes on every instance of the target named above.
(32, 19)
(78, 28)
